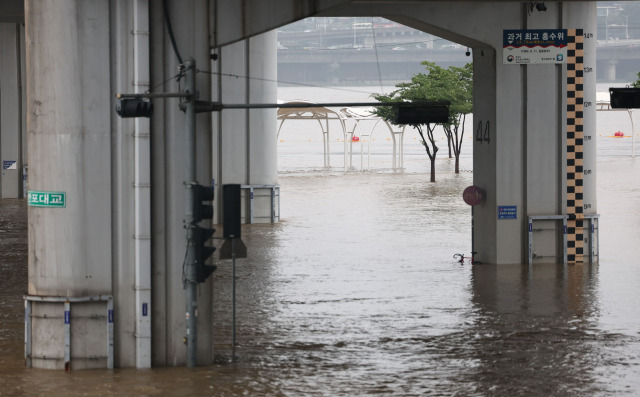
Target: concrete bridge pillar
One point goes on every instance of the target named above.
(118, 230)
(610, 72)
(12, 117)
(245, 141)
(69, 136)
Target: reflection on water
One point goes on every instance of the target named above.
(356, 293)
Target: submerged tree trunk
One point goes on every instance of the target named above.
(457, 141)
(433, 168)
(430, 148)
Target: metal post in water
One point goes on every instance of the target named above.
(233, 283)
(190, 266)
(473, 251)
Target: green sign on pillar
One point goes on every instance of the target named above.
(47, 199)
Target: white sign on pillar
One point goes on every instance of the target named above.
(534, 46)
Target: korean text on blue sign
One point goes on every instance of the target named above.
(507, 212)
(534, 46)
(9, 165)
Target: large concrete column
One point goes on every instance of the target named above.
(11, 114)
(245, 141)
(69, 140)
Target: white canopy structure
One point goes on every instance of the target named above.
(319, 114)
(323, 115)
(366, 115)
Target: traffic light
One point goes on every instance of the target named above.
(200, 237)
(199, 234)
(416, 113)
(134, 107)
(202, 211)
(624, 98)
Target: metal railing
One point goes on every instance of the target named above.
(593, 248)
(275, 207)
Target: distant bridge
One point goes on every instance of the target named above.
(360, 66)
(617, 60)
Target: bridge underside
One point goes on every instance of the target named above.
(123, 179)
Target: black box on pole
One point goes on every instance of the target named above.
(624, 98)
(231, 211)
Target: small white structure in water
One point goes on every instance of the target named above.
(349, 120)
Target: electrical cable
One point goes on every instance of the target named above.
(278, 81)
(184, 267)
(375, 47)
(178, 75)
(170, 31)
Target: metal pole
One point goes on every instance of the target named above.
(191, 285)
(27, 333)
(233, 283)
(633, 133)
(67, 336)
(472, 239)
(110, 333)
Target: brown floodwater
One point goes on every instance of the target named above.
(356, 292)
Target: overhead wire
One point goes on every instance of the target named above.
(278, 81)
(177, 75)
(375, 46)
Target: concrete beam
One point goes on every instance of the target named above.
(11, 120)
(238, 20)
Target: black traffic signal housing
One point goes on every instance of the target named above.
(134, 107)
(421, 113)
(624, 98)
(200, 194)
(201, 235)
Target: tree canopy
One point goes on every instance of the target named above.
(454, 85)
(636, 84)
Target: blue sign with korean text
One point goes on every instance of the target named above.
(9, 165)
(507, 212)
(534, 46)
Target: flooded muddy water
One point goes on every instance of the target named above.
(356, 293)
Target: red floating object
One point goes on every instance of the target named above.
(355, 139)
(619, 134)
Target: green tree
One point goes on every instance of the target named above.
(636, 84)
(411, 92)
(454, 85)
